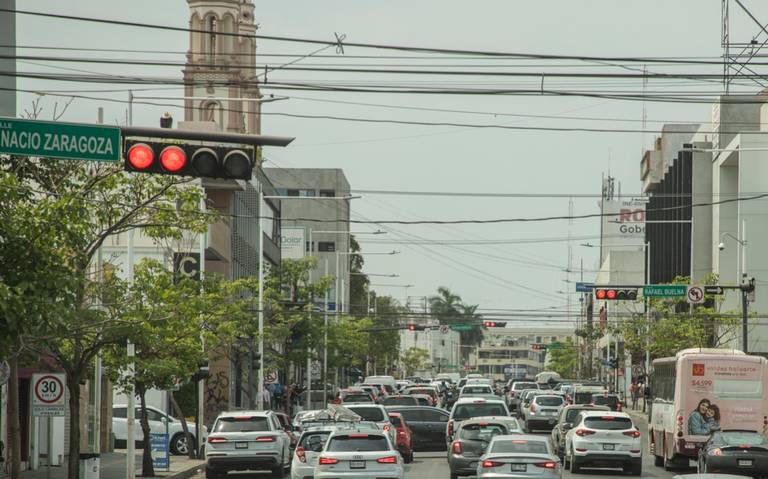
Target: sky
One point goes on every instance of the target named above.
(527, 271)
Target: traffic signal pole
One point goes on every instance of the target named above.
(260, 384)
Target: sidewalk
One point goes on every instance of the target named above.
(113, 467)
(637, 414)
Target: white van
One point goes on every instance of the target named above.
(388, 381)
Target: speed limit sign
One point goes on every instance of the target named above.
(48, 395)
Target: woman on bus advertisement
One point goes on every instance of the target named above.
(722, 393)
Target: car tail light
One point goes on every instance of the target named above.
(216, 440)
(301, 454)
(265, 439)
(489, 464)
(387, 460)
(716, 452)
(336, 401)
(456, 447)
(631, 433)
(680, 419)
(546, 465)
(327, 460)
(584, 432)
(450, 428)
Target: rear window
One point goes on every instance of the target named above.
(314, 441)
(570, 416)
(747, 438)
(602, 400)
(372, 414)
(481, 432)
(429, 392)
(396, 421)
(520, 445)
(548, 401)
(241, 424)
(583, 398)
(423, 401)
(476, 390)
(521, 386)
(608, 423)
(468, 411)
(358, 443)
(400, 401)
(353, 398)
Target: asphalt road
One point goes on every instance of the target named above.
(433, 465)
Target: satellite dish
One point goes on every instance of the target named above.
(5, 372)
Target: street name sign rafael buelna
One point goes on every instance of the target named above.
(52, 139)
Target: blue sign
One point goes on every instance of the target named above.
(158, 445)
(320, 306)
(584, 287)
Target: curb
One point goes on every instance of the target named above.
(186, 473)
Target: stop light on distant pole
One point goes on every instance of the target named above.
(494, 324)
(613, 294)
(415, 327)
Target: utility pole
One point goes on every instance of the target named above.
(8, 60)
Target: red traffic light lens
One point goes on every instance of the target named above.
(600, 293)
(173, 159)
(141, 156)
(611, 294)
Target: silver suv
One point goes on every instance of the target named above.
(247, 441)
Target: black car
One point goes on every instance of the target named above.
(610, 400)
(427, 426)
(737, 452)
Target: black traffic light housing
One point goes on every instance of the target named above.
(538, 347)
(256, 364)
(188, 159)
(616, 294)
(494, 324)
(203, 371)
(415, 327)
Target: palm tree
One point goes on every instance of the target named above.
(448, 308)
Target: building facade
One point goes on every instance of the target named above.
(507, 353)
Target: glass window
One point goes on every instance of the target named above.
(120, 412)
(327, 193)
(481, 432)
(602, 400)
(549, 401)
(520, 445)
(476, 390)
(358, 443)
(734, 438)
(468, 411)
(307, 193)
(292, 192)
(270, 219)
(373, 414)
(431, 415)
(413, 415)
(326, 246)
(358, 398)
(241, 424)
(401, 401)
(608, 423)
(314, 441)
(395, 420)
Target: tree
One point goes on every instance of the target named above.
(564, 360)
(359, 283)
(82, 204)
(414, 359)
(449, 309)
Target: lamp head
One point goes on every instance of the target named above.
(721, 246)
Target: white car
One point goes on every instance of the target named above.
(360, 454)
(307, 451)
(375, 413)
(247, 441)
(519, 456)
(470, 407)
(603, 439)
(543, 411)
(177, 441)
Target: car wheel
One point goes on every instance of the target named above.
(179, 445)
(575, 467)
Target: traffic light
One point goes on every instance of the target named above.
(538, 347)
(611, 294)
(494, 324)
(415, 327)
(209, 161)
(203, 371)
(256, 361)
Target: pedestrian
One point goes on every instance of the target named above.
(266, 397)
(277, 395)
(633, 393)
(289, 399)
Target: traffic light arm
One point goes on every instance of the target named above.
(194, 135)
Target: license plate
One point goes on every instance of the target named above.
(357, 464)
(518, 467)
(745, 462)
(241, 445)
(472, 464)
(608, 447)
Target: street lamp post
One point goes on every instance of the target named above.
(744, 300)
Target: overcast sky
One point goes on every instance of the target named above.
(435, 158)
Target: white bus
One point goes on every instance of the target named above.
(700, 391)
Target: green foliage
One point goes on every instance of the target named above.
(449, 309)
(564, 360)
(414, 359)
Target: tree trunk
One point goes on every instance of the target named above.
(14, 427)
(180, 414)
(147, 468)
(73, 461)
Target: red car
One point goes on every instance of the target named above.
(353, 396)
(403, 442)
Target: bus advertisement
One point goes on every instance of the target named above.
(701, 391)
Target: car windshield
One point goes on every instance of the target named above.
(358, 443)
(241, 424)
(468, 411)
(481, 432)
(735, 438)
(521, 386)
(549, 400)
(476, 390)
(608, 423)
(520, 445)
(372, 414)
(353, 398)
(314, 441)
(601, 400)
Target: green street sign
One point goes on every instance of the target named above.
(52, 139)
(665, 290)
(462, 327)
(555, 346)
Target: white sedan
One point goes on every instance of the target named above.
(177, 441)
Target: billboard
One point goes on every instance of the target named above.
(623, 224)
(292, 243)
